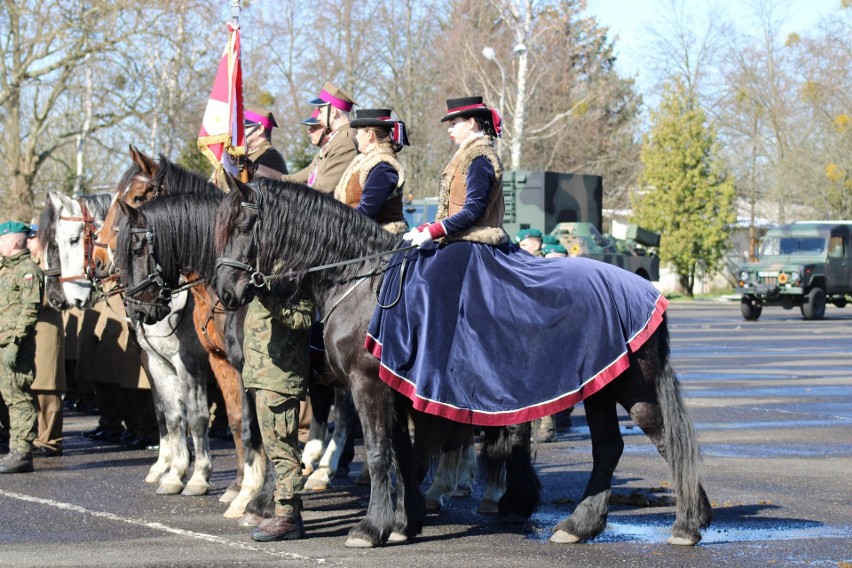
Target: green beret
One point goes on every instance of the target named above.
(550, 240)
(554, 248)
(10, 227)
(524, 233)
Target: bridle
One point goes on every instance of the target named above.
(147, 181)
(90, 233)
(256, 277)
(154, 277)
(114, 276)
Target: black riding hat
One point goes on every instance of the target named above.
(466, 107)
(473, 107)
(379, 117)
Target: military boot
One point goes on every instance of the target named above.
(284, 527)
(545, 430)
(16, 462)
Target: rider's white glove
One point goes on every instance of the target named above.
(420, 238)
(425, 233)
(409, 236)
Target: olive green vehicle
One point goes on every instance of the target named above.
(569, 206)
(806, 264)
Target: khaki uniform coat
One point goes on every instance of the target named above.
(50, 351)
(72, 319)
(330, 162)
(87, 344)
(118, 353)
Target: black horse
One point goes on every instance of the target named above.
(278, 232)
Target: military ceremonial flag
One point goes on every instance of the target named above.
(222, 137)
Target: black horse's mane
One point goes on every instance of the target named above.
(182, 225)
(98, 204)
(304, 228)
(46, 233)
(173, 179)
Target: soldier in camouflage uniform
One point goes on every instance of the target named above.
(21, 293)
(276, 347)
(530, 240)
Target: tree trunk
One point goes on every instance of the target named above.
(687, 283)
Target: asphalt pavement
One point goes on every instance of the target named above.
(771, 400)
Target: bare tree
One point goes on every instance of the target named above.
(42, 60)
(824, 144)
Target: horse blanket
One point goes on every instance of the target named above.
(492, 336)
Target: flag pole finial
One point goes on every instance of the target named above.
(235, 10)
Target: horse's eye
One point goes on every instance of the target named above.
(74, 240)
(138, 199)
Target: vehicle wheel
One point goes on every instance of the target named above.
(750, 307)
(840, 302)
(814, 308)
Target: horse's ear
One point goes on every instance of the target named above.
(149, 168)
(60, 200)
(234, 184)
(131, 213)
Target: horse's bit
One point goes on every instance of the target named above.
(155, 275)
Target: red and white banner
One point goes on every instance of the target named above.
(223, 136)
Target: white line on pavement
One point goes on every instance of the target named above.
(156, 526)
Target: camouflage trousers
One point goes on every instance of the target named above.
(278, 415)
(23, 419)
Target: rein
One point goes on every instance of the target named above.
(259, 280)
(262, 278)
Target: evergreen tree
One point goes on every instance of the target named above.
(685, 195)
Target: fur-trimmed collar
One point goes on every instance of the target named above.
(469, 150)
(364, 163)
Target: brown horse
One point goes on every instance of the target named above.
(145, 181)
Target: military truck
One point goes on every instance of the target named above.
(568, 206)
(806, 264)
(634, 251)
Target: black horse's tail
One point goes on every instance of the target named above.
(681, 443)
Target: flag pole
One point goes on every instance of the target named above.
(235, 11)
(235, 15)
